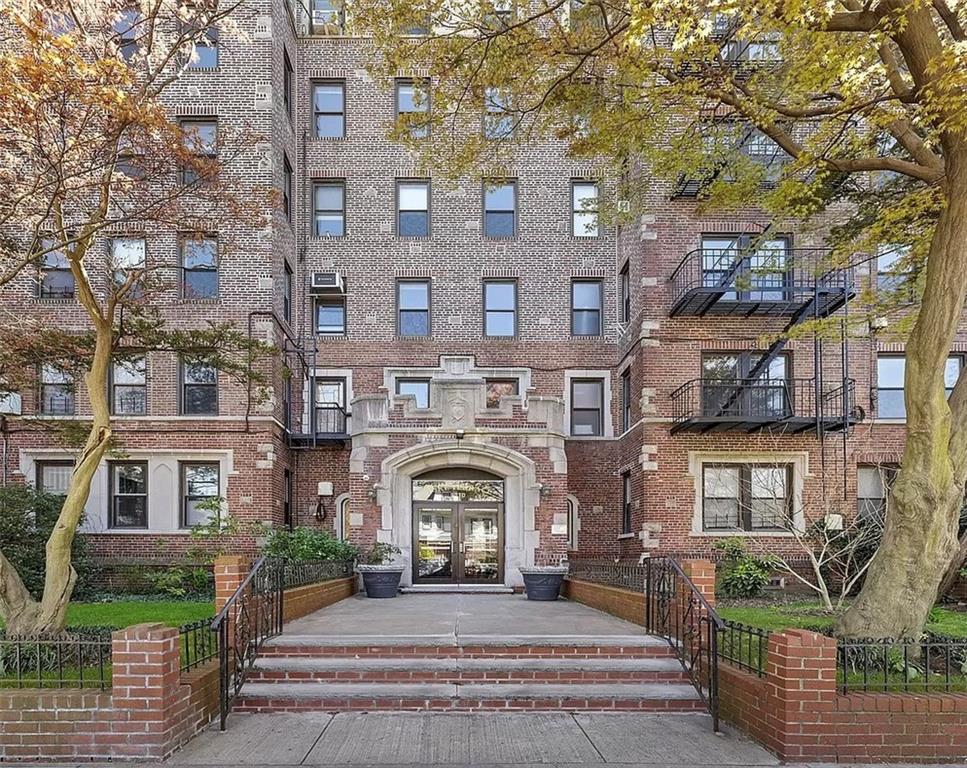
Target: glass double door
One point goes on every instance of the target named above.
(458, 542)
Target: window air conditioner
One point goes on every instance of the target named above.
(327, 282)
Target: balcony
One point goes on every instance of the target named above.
(753, 405)
(772, 282)
(330, 425)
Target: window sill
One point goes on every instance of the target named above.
(327, 238)
(137, 532)
(591, 438)
(744, 534)
(203, 70)
(55, 300)
(213, 301)
(331, 337)
(412, 338)
(413, 238)
(328, 138)
(586, 337)
(625, 536)
(890, 420)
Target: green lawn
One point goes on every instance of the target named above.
(121, 614)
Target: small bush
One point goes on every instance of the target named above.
(304, 544)
(178, 582)
(379, 554)
(743, 574)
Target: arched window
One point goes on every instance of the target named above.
(573, 524)
(342, 516)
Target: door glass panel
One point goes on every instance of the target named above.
(481, 542)
(435, 542)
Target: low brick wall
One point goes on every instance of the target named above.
(151, 709)
(301, 601)
(622, 603)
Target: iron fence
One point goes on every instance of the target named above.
(198, 642)
(75, 660)
(744, 646)
(627, 575)
(934, 663)
(299, 574)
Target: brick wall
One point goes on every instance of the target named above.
(301, 601)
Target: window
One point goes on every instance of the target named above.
(498, 124)
(287, 292)
(413, 302)
(890, 371)
(572, 523)
(129, 494)
(873, 485)
(418, 388)
(199, 389)
(329, 109)
(762, 267)
(746, 497)
(584, 209)
(201, 139)
(768, 397)
(413, 107)
(126, 28)
(331, 316)
(329, 208)
(54, 476)
(626, 503)
(205, 54)
(129, 387)
(127, 257)
(500, 209)
(286, 188)
(56, 391)
(500, 307)
(586, 307)
(587, 407)
(327, 16)
(497, 388)
(288, 84)
(413, 208)
(56, 278)
(199, 268)
(624, 285)
(500, 15)
(287, 499)
(762, 150)
(199, 493)
(626, 400)
(892, 266)
(331, 406)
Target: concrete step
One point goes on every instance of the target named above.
(456, 669)
(344, 696)
(462, 589)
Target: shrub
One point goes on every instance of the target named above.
(379, 554)
(302, 544)
(743, 574)
(179, 582)
(26, 519)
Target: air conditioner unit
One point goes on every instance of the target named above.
(327, 282)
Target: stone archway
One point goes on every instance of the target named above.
(521, 496)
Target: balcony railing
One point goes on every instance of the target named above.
(769, 281)
(789, 405)
(330, 419)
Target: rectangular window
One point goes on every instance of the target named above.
(287, 498)
(626, 400)
(586, 300)
(329, 208)
(497, 388)
(501, 14)
(587, 407)
(500, 209)
(584, 209)
(413, 107)
(417, 388)
(129, 494)
(748, 497)
(329, 109)
(199, 493)
(500, 307)
(763, 268)
(128, 256)
(56, 278)
(413, 303)
(128, 27)
(624, 285)
(626, 503)
(498, 123)
(205, 53)
(129, 387)
(201, 139)
(331, 406)
(768, 396)
(331, 316)
(890, 371)
(199, 389)
(56, 391)
(892, 266)
(286, 188)
(761, 149)
(873, 485)
(199, 268)
(413, 208)
(288, 84)
(54, 477)
(287, 292)
(327, 17)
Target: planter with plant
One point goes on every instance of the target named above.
(381, 576)
(543, 582)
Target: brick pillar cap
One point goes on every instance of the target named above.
(803, 637)
(153, 631)
(232, 560)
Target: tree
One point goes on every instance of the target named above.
(88, 151)
(863, 100)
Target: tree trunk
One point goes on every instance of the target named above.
(920, 530)
(953, 569)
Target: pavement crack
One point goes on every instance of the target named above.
(585, 734)
(317, 739)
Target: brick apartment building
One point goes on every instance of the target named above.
(481, 373)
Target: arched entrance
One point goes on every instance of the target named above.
(458, 531)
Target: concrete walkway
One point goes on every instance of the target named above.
(479, 739)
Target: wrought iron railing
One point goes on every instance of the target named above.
(935, 663)
(252, 615)
(199, 643)
(614, 574)
(316, 571)
(330, 419)
(71, 660)
(744, 646)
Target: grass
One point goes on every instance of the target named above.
(124, 613)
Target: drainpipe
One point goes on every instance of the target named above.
(4, 429)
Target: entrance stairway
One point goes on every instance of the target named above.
(484, 672)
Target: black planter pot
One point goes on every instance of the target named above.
(542, 585)
(382, 584)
